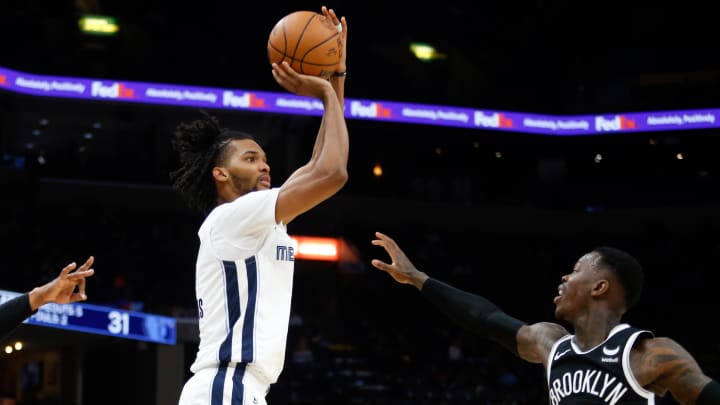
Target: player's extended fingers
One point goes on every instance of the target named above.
(287, 77)
(343, 24)
(80, 275)
(288, 70)
(87, 264)
(277, 71)
(379, 264)
(334, 18)
(289, 74)
(81, 289)
(67, 269)
(385, 241)
(390, 241)
(280, 76)
(383, 244)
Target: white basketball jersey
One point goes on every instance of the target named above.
(244, 277)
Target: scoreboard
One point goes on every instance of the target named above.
(102, 320)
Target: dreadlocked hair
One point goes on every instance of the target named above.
(200, 145)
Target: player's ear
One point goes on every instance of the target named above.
(220, 174)
(600, 287)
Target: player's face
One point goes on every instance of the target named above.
(247, 167)
(574, 291)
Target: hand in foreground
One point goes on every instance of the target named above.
(401, 268)
(62, 289)
(300, 84)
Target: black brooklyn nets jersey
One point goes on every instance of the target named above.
(600, 375)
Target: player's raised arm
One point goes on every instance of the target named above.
(337, 79)
(326, 171)
(473, 312)
(328, 121)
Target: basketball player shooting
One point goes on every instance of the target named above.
(245, 263)
(605, 361)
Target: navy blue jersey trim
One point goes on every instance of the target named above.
(249, 321)
(218, 386)
(233, 307)
(238, 388)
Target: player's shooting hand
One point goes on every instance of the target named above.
(342, 22)
(401, 268)
(62, 289)
(300, 84)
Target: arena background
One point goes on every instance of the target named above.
(498, 213)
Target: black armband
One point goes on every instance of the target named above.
(474, 313)
(710, 395)
(13, 312)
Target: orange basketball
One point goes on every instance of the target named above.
(308, 41)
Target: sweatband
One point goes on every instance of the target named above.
(710, 395)
(13, 312)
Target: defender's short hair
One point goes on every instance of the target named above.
(628, 270)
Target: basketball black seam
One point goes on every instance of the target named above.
(290, 60)
(285, 42)
(300, 37)
(274, 48)
(315, 47)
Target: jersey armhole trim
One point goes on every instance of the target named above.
(634, 384)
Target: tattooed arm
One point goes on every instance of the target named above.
(661, 365)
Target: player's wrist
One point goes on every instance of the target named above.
(340, 70)
(37, 297)
(418, 279)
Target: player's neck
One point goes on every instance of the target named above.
(594, 328)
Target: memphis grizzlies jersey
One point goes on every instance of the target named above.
(243, 283)
(601, 375)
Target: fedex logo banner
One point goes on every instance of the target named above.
(494, 120)
(369, 110)
(241, 100)
(614, 123)
(114, 90)
(384, 111)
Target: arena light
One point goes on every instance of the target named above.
(317, 248)
(98, 25)
(425, 52)
(377, 170)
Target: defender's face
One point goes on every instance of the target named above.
(574, 291)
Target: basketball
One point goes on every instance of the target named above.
(308, 41)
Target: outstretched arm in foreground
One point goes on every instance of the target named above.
(473, 312)
(61, 290)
